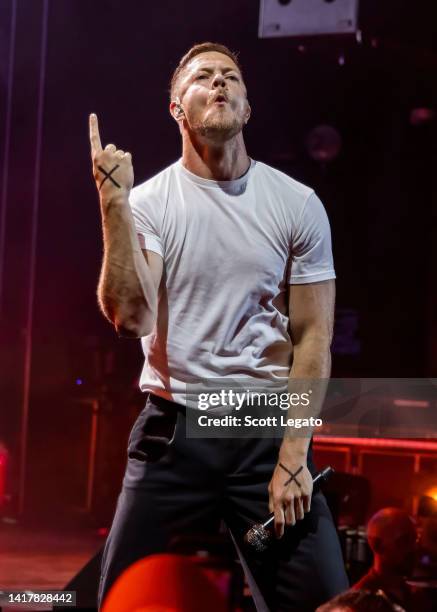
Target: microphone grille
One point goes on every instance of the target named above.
(258, 537)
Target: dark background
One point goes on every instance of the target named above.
(116, 58)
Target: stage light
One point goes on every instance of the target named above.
(409, 403)
(307, 17)
(432, 492)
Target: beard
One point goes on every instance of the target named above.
(218, 126)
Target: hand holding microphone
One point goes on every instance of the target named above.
(260, 535)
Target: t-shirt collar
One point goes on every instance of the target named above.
(233, 186)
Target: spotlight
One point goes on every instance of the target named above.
(432, 492)
(307, 17)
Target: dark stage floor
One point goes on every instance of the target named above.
(42, 557)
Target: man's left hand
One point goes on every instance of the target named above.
(290, 491)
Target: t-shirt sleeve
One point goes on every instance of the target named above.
(311, 256)
(145, 211)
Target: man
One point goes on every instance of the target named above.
(198, 266)
(392, 536)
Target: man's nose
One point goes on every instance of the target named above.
(219, 80)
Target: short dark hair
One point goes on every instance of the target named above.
(360, 601)
(197, 50)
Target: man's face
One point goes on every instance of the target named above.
(213, 96)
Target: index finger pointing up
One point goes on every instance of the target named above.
(96, 145)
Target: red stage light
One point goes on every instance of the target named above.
(379, 442)
(3, 468)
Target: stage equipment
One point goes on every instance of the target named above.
(307, 17)
(399, 471)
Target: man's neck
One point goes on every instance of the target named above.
(219, 162)
(388, 574)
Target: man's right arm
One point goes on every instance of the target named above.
(130, 278)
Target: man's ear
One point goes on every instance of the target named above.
(248, 113)
(176, 110)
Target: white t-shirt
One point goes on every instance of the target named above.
(230, 249)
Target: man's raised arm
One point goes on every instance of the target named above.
(129, 280)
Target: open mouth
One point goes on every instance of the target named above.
(220, 99)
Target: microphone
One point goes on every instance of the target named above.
(260, 534)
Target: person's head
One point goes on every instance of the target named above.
(164, 583)
(392, 537)
(208, 96)
(360, 601)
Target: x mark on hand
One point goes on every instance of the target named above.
(292, 476)
(108, 175)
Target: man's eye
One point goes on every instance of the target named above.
(201, 76)
(234, 78)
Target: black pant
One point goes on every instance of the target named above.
(188, 485)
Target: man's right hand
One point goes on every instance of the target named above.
(112, 168)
